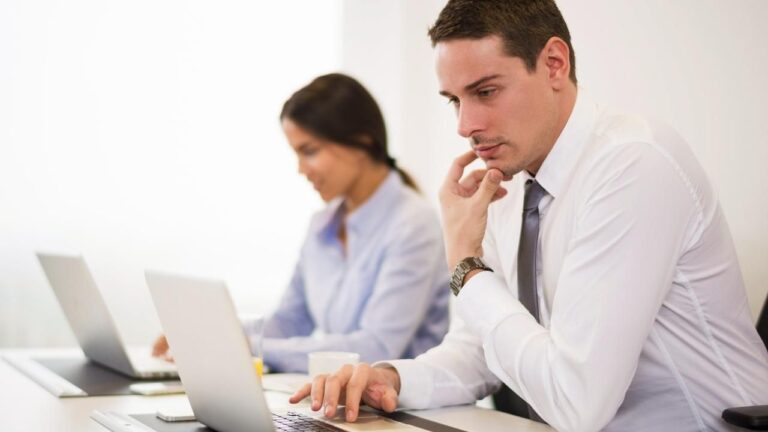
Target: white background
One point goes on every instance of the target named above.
(145, 134)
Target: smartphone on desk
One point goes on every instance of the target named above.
(178, 415)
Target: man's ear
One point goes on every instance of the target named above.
(555, 58)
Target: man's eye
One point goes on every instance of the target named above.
(453, 101)
(309, 151)
(483, 93)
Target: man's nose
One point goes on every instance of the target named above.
(469, 121)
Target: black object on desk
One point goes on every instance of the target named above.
(420, 422)
(92, 378)
(751, 417)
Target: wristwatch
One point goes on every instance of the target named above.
(462, 268)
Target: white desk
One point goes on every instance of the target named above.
(27, 407)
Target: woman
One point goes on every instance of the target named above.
(371, 276)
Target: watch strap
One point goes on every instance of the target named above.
(462, 268)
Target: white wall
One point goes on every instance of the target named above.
(699, 65)
(387, 48)
(145, 134)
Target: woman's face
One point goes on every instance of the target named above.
(332, 169)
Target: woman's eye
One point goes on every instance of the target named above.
(309, 151)
(453, 101)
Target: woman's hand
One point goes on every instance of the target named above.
(161, 350)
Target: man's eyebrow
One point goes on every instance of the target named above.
(480, 82)
(473, 85)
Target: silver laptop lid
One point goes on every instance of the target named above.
(85, 310)
(211, 352)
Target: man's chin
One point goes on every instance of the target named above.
(506, 172)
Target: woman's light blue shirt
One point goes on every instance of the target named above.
(385, 298)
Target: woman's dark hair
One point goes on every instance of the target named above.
(337, 108)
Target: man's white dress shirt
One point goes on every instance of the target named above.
(645, 322)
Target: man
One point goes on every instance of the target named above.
(599, 282)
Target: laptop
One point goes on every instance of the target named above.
(214, 360)
(92, 324)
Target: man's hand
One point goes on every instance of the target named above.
(464, 203)
(376, 387)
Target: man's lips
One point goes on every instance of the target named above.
(487, 151)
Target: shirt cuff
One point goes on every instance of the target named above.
(485, 301)
(415, 382)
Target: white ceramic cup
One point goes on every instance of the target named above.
(326, 362)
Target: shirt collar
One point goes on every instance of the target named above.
(328, 221)
(561, 160)
(366, 217)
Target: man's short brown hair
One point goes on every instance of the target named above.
(525, 26)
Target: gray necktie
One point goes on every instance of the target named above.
(526, 253)
(526, 256)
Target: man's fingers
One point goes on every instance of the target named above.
(355, 387)
(500, 193)
(318, 390)
(489, 186)
(333, 387)
(389, 400)
(301, 393)
(457, 167)
(471, 181)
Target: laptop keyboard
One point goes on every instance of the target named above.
(292, 421)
